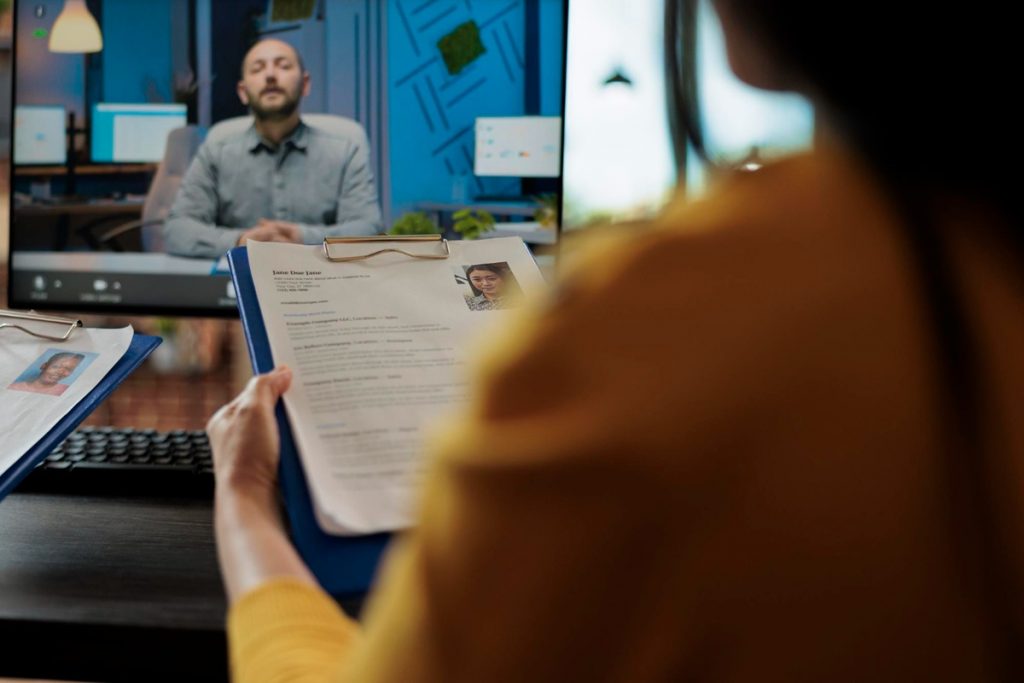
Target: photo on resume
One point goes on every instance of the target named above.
(53, 372)
(488, 286)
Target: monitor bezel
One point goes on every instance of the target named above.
(114, 310)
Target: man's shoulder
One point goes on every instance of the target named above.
(227, 138)
(230, 144)
(343, 134)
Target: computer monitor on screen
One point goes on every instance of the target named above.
(133, 133)
(40, 135)
(415, 83)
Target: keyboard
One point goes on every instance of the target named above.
(111, 460)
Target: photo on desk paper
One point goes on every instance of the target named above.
(53, 372)
(488, 286)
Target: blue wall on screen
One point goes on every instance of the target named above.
(432, 113)
(551, 48)
(137, 51)
(46, 77)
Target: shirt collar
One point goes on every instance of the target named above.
(297, 139)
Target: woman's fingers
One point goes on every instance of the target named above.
(269, 387)
(261, 393)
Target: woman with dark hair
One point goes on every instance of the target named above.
(493, 286)
(775, 436)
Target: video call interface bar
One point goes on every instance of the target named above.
(121, 282)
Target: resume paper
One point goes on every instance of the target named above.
(377, 348)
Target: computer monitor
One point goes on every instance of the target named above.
(133, 133)
(518, 146)
(39, 135)
(416, 76)
(620, 160)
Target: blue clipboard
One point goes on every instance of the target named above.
(344, 565)
(141, 346)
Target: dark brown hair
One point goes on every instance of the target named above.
(922, 93)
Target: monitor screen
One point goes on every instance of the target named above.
(619, 163)
(618, 153)
(39, 136)
(91, 235)
(131, 133)
(521, 146)
(741, 124)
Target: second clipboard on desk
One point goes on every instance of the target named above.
(53, 374)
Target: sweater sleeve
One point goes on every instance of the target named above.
(286, 630)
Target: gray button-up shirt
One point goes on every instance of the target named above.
(314, 178)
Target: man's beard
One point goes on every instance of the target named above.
(278, 113)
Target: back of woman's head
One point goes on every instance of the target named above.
(924, 97)
(923, 91)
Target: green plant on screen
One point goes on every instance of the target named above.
(471, 224)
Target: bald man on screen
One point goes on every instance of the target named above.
(280, 180)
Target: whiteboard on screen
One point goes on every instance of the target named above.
(523, 146)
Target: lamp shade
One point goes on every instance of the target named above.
(75, 30)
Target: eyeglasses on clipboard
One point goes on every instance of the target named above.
(37, 322)
(347, 249)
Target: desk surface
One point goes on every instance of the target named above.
(85, 207)
(120, 589)
(531, 233)
(85, 169)
(508, 208)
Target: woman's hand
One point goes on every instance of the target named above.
(244, 437)
(251, 542)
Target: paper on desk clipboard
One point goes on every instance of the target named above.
(31, 405)
(377, 348)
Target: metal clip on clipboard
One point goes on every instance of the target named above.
(69, 323)
(438, 252)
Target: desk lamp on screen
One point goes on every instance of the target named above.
(624, 155)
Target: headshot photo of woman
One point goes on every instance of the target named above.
(493, 287)
(50, 377)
